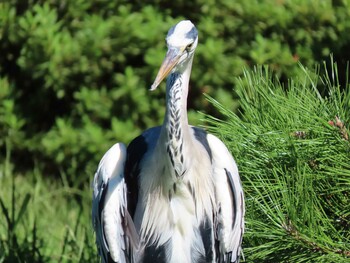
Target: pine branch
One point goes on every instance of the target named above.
(292, 147)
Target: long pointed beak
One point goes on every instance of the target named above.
(172, 57)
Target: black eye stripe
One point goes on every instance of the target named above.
(192, 34)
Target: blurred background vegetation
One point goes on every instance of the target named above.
(74, 79)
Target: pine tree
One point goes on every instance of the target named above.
(292, 147)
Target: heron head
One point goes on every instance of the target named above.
(182, 41)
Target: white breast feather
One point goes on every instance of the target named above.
(177, 221)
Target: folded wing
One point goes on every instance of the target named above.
(116, 236)
(230, 202)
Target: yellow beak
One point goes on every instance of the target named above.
(171, 59)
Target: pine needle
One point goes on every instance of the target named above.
(292, 147)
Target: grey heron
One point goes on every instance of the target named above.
(174, 194)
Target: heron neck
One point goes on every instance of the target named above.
(176, 122)
(176, 100)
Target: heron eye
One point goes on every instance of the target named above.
(189, 46)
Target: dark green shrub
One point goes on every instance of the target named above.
(75, 74)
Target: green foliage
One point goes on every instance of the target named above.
(76, 73)
(74, 78)
(44, 221)
(292, 148)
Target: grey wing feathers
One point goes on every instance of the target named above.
(230, 202)
(116, 236)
